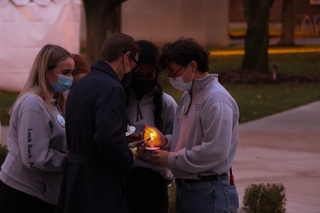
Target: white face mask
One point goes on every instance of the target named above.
(179, 84)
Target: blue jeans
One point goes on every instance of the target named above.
(207, 196)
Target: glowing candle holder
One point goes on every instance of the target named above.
(152, 138)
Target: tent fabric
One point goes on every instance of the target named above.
(60, 1)
(38, 2)
(26, 29)
(3, 2)
(20, 2)
(42, 2)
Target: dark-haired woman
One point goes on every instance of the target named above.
(147, 104)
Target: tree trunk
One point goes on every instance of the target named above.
(287, 19)
(103, 18)
(257, 36)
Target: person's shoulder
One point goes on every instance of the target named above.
(114, 89)
(168, 101)
(31, 99)
(168, 98)
(218, 96)
(31, 102)
(223, 97)
(98, 80)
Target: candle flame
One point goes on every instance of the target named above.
(151, 135)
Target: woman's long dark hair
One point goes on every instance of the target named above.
(157, 100)
(149, 55)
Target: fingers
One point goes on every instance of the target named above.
(136, 143)
(140, 142)
(134, 137)
(159, 158)
(131, 145)
(141, 149)
(137, 147)
(155, 157)
(134, 154)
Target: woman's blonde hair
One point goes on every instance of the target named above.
(38, 83)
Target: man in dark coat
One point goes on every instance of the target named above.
(96, 122)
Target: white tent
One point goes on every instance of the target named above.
(26, 26)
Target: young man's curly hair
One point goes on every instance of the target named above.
(183, 51)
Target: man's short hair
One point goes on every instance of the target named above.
(182, 52)
(116, 44)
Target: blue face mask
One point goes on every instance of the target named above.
(63, 84)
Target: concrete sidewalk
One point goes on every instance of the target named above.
(282, 148)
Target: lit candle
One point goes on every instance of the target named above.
(152, 141)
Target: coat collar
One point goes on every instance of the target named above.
(199, 84)
(105, 67)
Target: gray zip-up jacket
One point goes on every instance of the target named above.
(37, 147)
(205, 136)
(140, 113)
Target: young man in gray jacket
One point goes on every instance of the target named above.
(205, 132)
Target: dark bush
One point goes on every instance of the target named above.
(263, 198)
(3, 153)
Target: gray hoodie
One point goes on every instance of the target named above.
(37, 147)
(205, 137)
(147, 107)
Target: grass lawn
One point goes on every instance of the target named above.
(299, 64)
(256, 101)
(6, 101)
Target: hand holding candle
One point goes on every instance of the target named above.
(153, 137)
(159, 157)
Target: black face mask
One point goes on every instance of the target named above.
(142, 86)
(126, 79)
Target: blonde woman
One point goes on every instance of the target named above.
(31, 175)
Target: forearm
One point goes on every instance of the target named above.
(34, 142)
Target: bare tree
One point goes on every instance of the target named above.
(103, 17)
(287, 19)
(257, 36)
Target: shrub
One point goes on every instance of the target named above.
(3, 153)
(263, 198)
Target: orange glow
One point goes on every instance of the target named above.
(152, 135)
(270, 51)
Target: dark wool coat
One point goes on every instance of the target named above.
(99, 157)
